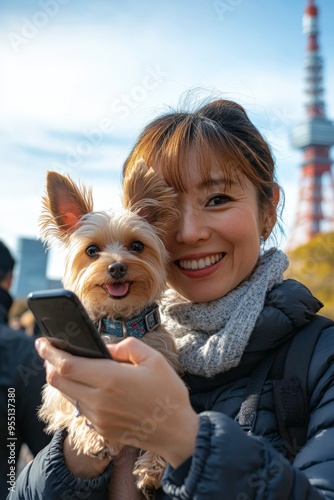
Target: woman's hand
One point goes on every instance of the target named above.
(136, 399)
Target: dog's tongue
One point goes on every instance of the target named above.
(117, 289)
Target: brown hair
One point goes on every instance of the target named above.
(221, 135)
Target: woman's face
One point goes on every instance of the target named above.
(214, 245)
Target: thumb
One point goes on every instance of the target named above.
(132, 351)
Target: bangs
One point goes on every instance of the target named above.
(168, 143)
(211, 147)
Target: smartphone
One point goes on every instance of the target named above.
(63, 319)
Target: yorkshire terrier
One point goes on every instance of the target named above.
(116, 263)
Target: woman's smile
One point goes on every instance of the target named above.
(200, 267)
(195, 264)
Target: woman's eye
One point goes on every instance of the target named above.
(92, 250)
(219, 199)
(136, 246)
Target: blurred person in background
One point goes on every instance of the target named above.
(22, 376)
(21, 318)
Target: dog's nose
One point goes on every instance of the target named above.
(117, 270)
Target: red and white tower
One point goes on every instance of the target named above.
(315, 136)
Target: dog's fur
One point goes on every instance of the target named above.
(68, 217)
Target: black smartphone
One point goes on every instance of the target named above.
(63, 319)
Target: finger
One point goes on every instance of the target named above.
(61, 360)
(47, 351)
(71, 389)
(90, 372)
(67, 365)
(41, 344)
(132, 351)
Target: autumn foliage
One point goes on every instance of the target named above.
(313, 265)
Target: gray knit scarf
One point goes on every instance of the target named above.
(211, 336)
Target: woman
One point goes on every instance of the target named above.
(228, 308)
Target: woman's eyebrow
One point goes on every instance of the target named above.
(216, 182)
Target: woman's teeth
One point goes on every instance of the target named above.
(200, 263)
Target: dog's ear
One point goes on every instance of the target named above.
(146, 193)
(63, 206)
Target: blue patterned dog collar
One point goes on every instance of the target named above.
(146, 321)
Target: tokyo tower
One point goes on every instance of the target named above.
(314, 136)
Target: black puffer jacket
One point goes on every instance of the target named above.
(228, 463)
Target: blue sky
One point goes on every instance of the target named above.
(80, 79)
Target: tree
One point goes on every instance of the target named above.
(313, 265)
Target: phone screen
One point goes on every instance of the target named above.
(64, 321)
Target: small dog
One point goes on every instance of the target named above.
(116, 263)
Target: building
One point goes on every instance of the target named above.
(30, 270)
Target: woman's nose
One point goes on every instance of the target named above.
(191, 228)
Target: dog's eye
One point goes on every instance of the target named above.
(136, 246)
(92, 250)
